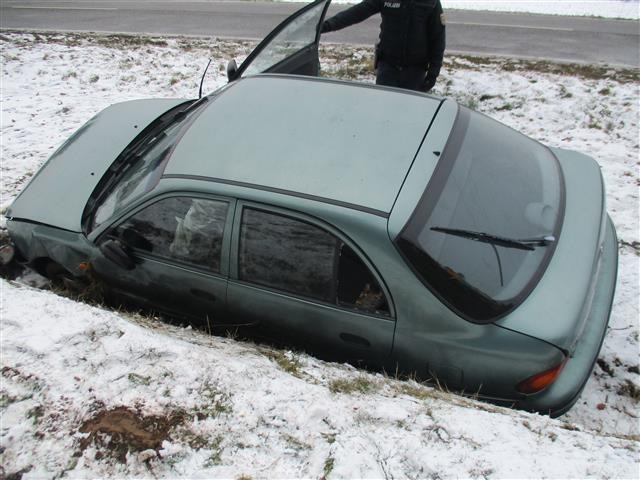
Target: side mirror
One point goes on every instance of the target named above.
(232, 70)
(114, 251)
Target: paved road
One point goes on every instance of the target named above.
(585, 40)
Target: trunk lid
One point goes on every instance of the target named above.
(558, 308)
(58, 192)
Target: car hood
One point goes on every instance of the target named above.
(58, 192)
(557, 309)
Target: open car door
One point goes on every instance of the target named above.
(291, 48)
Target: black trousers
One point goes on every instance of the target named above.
(411, 78)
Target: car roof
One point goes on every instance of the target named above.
(344, 142)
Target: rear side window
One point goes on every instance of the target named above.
(184, 229)
(485, 227)
(297, 257)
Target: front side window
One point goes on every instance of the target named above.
(485, 228)
(299, 34)
(294, 256)
(184, 229)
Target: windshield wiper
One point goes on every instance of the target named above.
(520, 244)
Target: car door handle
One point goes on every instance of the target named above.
(202, 294)
(349, 338)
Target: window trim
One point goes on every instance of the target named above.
(234, 259)
(226, 236)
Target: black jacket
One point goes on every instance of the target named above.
(412, 32)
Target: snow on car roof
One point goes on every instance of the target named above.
(346, 142)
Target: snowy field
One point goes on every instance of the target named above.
(628, 9)
(88, 392)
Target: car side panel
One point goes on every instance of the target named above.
(178, 290)
(345, 333)
(435, 343)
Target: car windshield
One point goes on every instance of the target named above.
(140, 167)
(485, 227)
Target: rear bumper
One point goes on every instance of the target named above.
(563, 393)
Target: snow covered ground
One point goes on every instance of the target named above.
(628, 9)
(82, 386)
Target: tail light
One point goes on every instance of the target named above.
(541, 380)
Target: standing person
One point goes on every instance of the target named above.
(412, 40)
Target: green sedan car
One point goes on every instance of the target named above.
(390, 227)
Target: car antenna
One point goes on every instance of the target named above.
(202, 81)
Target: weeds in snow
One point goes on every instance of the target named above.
(360, 384)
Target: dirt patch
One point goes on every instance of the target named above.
(121, 430)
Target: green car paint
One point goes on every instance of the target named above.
(364, 139)
(342, 176)
(81, 161)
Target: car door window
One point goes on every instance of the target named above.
(295, 256)
(184, 229)
(286, 254)
(357, 287)
(300, 33)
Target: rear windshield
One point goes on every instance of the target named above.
(486, 225)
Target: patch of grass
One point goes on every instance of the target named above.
(287, 361)
(94, 78)
(414, 390)
(606, 368)
(589, 72)
(633, 245)
(564, 92)
(195, 440)
(6, 400)
(177, 77)
(605, 91)
(594, 123)
(359, 384)
(570, 426)
(215, 458)
(139, 379)
(470, 102)
(507, 106)
(485, 97)
(295, 443)
(127, 79)
(629, 389)
(329, 463)
(35, 413)
(329, 437)
(216, 402)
